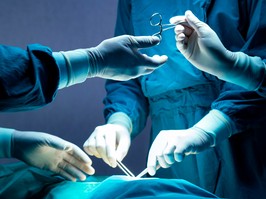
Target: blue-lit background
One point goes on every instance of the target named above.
(66, 25)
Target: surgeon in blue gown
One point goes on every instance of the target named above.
(37, 70)
(201, 46)
(215, 129)
(29, 79)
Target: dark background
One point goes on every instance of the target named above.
(77, 110)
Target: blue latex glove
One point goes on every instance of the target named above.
(172, 146)
(203, 48)
(117, 58)
(52, 153)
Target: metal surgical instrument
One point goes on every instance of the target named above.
(124, 169)
(129, 173)
(156, 20)
(145, 171)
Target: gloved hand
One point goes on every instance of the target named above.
(110, 142)
(117, 58)
(172, 145)
(52, 153)
(203, 48)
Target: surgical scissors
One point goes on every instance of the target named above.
(156, 20)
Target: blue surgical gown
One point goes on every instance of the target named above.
(28, 79)
(177, 95)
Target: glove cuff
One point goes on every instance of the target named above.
(247, 71)
(121, 119)
(218, 125)
(73, 66)
(96, 62)
(5, 142)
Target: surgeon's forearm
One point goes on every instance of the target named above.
(218, 125)
(73, 66)
(247, 71)
(121, 119)
(5, 142)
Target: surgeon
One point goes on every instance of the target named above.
(203, 48)
(190, 110)
(29, 79)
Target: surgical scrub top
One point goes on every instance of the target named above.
(178, 95)
(28, 78)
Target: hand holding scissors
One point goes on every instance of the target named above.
(156, 20)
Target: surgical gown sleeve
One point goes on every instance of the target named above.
(246, 108)
(126, 97)
(28, 79)
(262, 87)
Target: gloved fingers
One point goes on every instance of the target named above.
(194, 22)
(143, 41)
(168, 153)
(90, 147)
(181, 37)
(155, 61)
(76, 152)
(183, 29)
(149, 64)
(110, 141)
(147, 71)
(90, 144)
(71, 170)
(181, 151)
(152, 162)
(101, 147)
(177, 19)
(181, 42)
(122, 147)
(81, 165)
(179, 157)
(163, 156)
(66, 175)
(162, 162)
(155, 152)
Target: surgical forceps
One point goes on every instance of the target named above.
(124, 169)
(129, 173)
(145, 171)
(156, 20)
